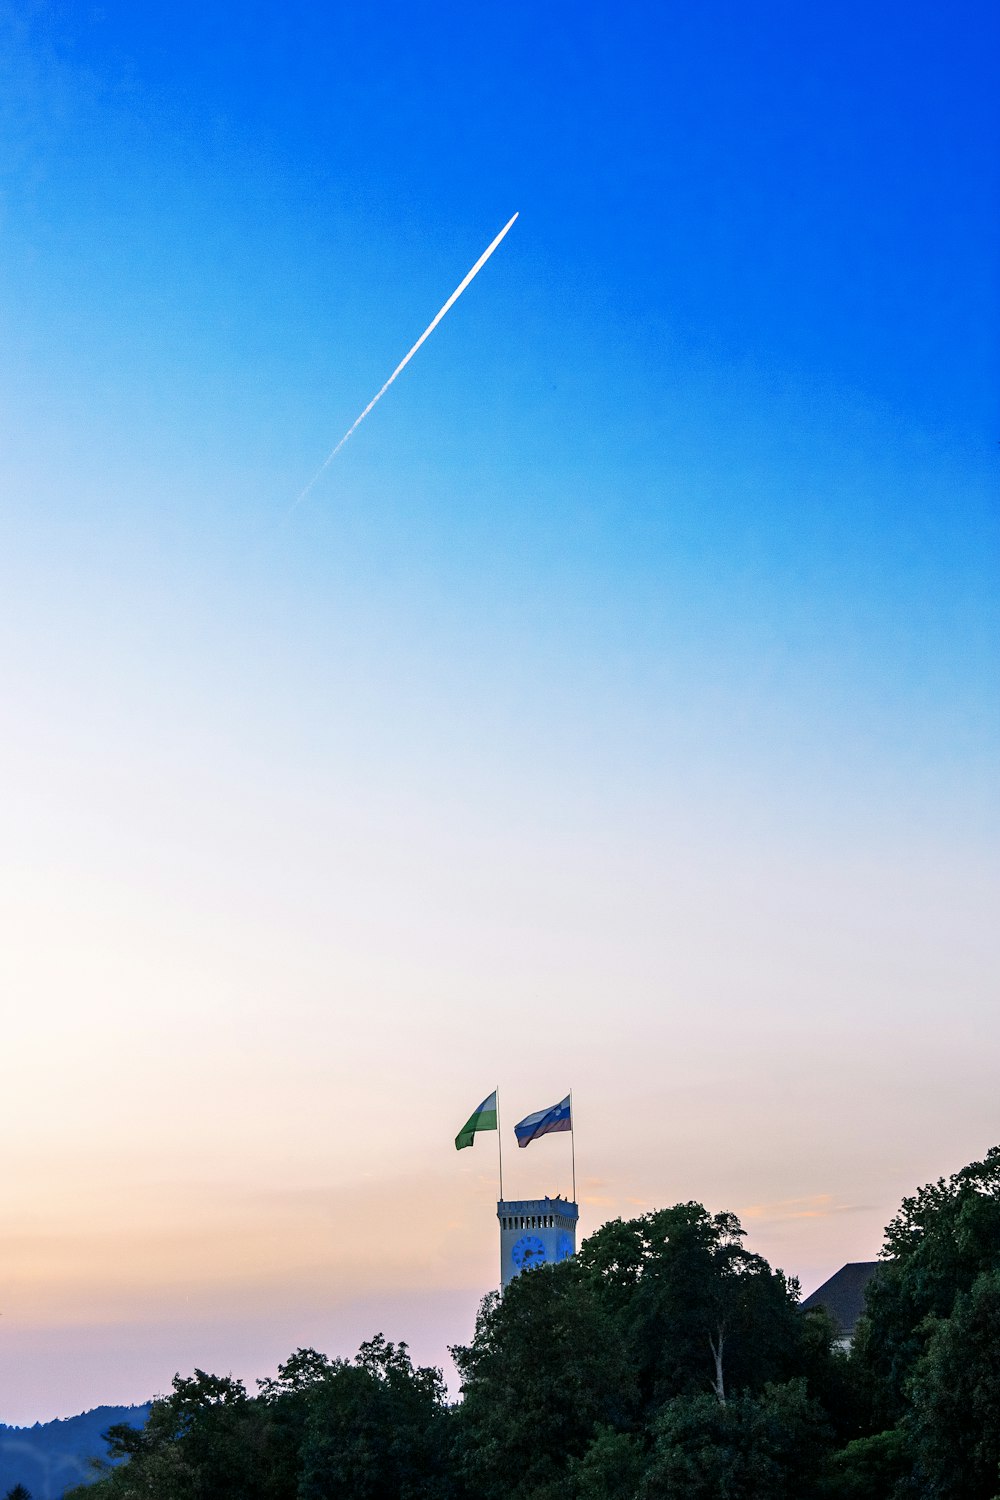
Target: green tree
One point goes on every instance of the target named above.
(375, 1429)
(868, 1468)
(955, 1395)
(202, 1442)
(831, 1375)
(545, 1369)
(18, 1493)
(943, 1237)
(753, 1446)
(286, 1401)
(610, 1469)
(697, 1310)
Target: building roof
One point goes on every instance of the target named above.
(843, 1296)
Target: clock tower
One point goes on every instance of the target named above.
(535, 1232)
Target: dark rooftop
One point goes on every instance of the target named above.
(843, 1296)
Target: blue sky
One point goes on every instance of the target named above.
(621, 701)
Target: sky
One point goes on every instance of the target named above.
(618, 711)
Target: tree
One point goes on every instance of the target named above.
(830, 1375)
(868, 1468)
(375, 1429)
(18, 1493)
(202, 1442)
(769, 1444)
(610, 1469)
(546, 1368)
(955, 1394)
(696, 1309)
(943, 1237)
(286, 1401)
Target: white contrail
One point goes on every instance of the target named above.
(480, 263)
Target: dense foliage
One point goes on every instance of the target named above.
(664, 1362)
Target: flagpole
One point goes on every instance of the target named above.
(572, 1142)
(500, 1161)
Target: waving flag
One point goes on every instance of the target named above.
(544, 1122)
(483, 1118)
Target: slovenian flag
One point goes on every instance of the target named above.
(483, 1118)
(544, 1122)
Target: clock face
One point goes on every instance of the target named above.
(564, 1246)
(528, 1251)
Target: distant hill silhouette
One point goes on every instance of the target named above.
(51, 1456)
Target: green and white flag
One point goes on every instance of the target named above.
(483, 1118)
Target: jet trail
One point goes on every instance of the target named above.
(480, 263)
